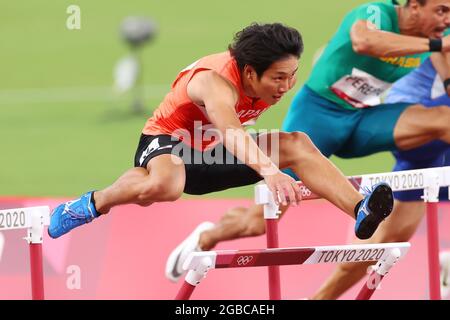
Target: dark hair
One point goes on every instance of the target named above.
(421, 2)
(260, 45)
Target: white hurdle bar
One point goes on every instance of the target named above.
(33, 219)
(386, 255)
(430, 180)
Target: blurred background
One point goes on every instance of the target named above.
(66, 128)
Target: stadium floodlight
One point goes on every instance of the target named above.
(136, 32)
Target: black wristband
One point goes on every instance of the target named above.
(446, 83)
(435, 45)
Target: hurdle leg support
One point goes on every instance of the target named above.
(37, 272)
(193, 278)
(265, 197)
(431, 198)
(35, 239)
(274, 271)
(380, 270)
(433, 251)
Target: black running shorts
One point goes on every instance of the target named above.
(208, 171)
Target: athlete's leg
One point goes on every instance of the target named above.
(319, 174)
(399, 227)
(297, 152)
(163, 180)
(419, 125)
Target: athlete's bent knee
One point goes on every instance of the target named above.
(296, 145)
(436, 119)
(159, 190)
(442, 117)
(255, 228)
(256, 225)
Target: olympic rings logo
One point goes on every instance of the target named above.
(244, 260)
(305, 191)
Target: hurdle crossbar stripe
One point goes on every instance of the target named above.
(399, 181)
(293, 256)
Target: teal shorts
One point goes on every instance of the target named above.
(342, 132)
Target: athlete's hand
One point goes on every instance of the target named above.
(284, 188)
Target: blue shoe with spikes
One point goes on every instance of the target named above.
(72, 214)
(376, 206)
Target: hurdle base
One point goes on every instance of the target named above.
(378, 273)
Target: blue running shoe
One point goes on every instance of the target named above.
(376, 206)
(72, 214)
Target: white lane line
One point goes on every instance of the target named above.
(74, 94)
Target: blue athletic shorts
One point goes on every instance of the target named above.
(430, 155)
(345, 133)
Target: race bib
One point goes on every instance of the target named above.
(360, 89)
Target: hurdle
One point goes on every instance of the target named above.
(33, 219)
(386, 255)
(430, 180)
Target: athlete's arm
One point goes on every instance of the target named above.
(219, 97)
(368, 40)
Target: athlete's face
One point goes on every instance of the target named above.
(278, 79)
(432, 18)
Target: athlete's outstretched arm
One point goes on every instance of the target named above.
(367, 40)
(219, 97)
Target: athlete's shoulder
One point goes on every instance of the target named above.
(373, 11)
(216, 61)
(208, 77)
(223, 64)
(372, 7)
(382, 14)
(210, 84)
